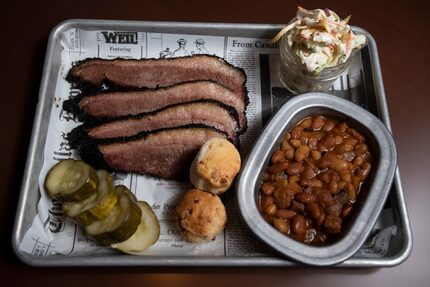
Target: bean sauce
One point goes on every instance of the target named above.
(312, 182)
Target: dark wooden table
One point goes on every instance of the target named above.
(401, 32)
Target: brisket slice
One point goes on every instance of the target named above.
(119, 104)
(164, 153)
(152, 73)
(210, 113)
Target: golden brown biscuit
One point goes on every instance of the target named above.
(201, 216)
(215, 166)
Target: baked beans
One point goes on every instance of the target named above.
(314, 177)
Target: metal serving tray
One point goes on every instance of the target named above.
(372, 93)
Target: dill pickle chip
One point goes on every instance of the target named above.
(71, 180)
(120, 224)
(96, 207)
(147, 233)
(123, 189)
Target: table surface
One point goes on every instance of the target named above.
(399, 30)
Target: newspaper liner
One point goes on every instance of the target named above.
(53, 233)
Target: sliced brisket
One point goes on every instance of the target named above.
(209, 113)
(166, 153)
(119, 104)
(152, 73)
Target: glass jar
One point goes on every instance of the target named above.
(295, 77)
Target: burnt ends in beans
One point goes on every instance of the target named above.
(313, 180)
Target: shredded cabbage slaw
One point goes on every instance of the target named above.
(321, 39)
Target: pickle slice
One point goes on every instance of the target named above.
(96, 207)
(124, 189)
(71, 180)
(147, 233)
(120, 224)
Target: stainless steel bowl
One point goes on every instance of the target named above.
(372, 195)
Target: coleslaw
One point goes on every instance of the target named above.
(321, 39)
